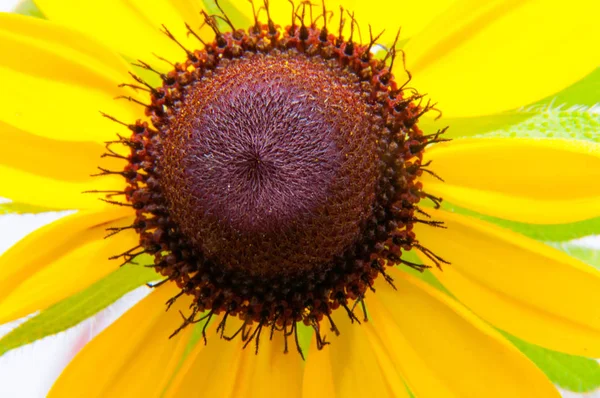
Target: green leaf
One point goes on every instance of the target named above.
(549, 232)
(236, 13)
(22, 208)
(584, 92)
(78, 307)
(561, 115)
(573, 373)
(585, 254)
(473, 126)
(28, 8)
(305, 335)
(555, 123)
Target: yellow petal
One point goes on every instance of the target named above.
(60, 160)
(60, 259)
(71, 273)
(89, 51)
(174, 14)
(541, 181)
(213, 367)
(388, 16)
(462, 127)
(238, 12)
(130, 27)
(53, 173)
(409, 16)
(350, 366)
(520, 285)
(318, 374)
(134, 357)
(25, 187)
(270, 373)
(281, 14)
(443, 350)
(58, 85)
(484, 57)
(225, 369)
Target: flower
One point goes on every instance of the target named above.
(477, 59)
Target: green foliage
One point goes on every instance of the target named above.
(473, 126)
(29, 8)
(238, 12)
(562, 115)
(570, 372)
(587, 255)
(555, 122)
(78, 307)
(584, 92)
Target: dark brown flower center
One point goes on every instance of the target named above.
(278, 177)
(270, 165)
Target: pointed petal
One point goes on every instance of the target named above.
(409, 16)
(224, 368)
(484, 57)
(271, 372)
(318, 374)
(387, 17)
(443, 350)
(71, 273)
(130, 27)
(519, 285)
(350, 365)
(60, 259)
(538, 181)
(59, 160)
(51, 173)
(173, 14)
(134, 357)
(214, 367)
(239, 14)
(88, 51)
(25, 187)
(58, 85)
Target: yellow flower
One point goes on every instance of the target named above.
(475, 58)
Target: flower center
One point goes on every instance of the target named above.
(269, 155)
(278, 177)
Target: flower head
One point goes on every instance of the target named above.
(279, 178)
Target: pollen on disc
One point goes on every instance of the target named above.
(269, 155)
